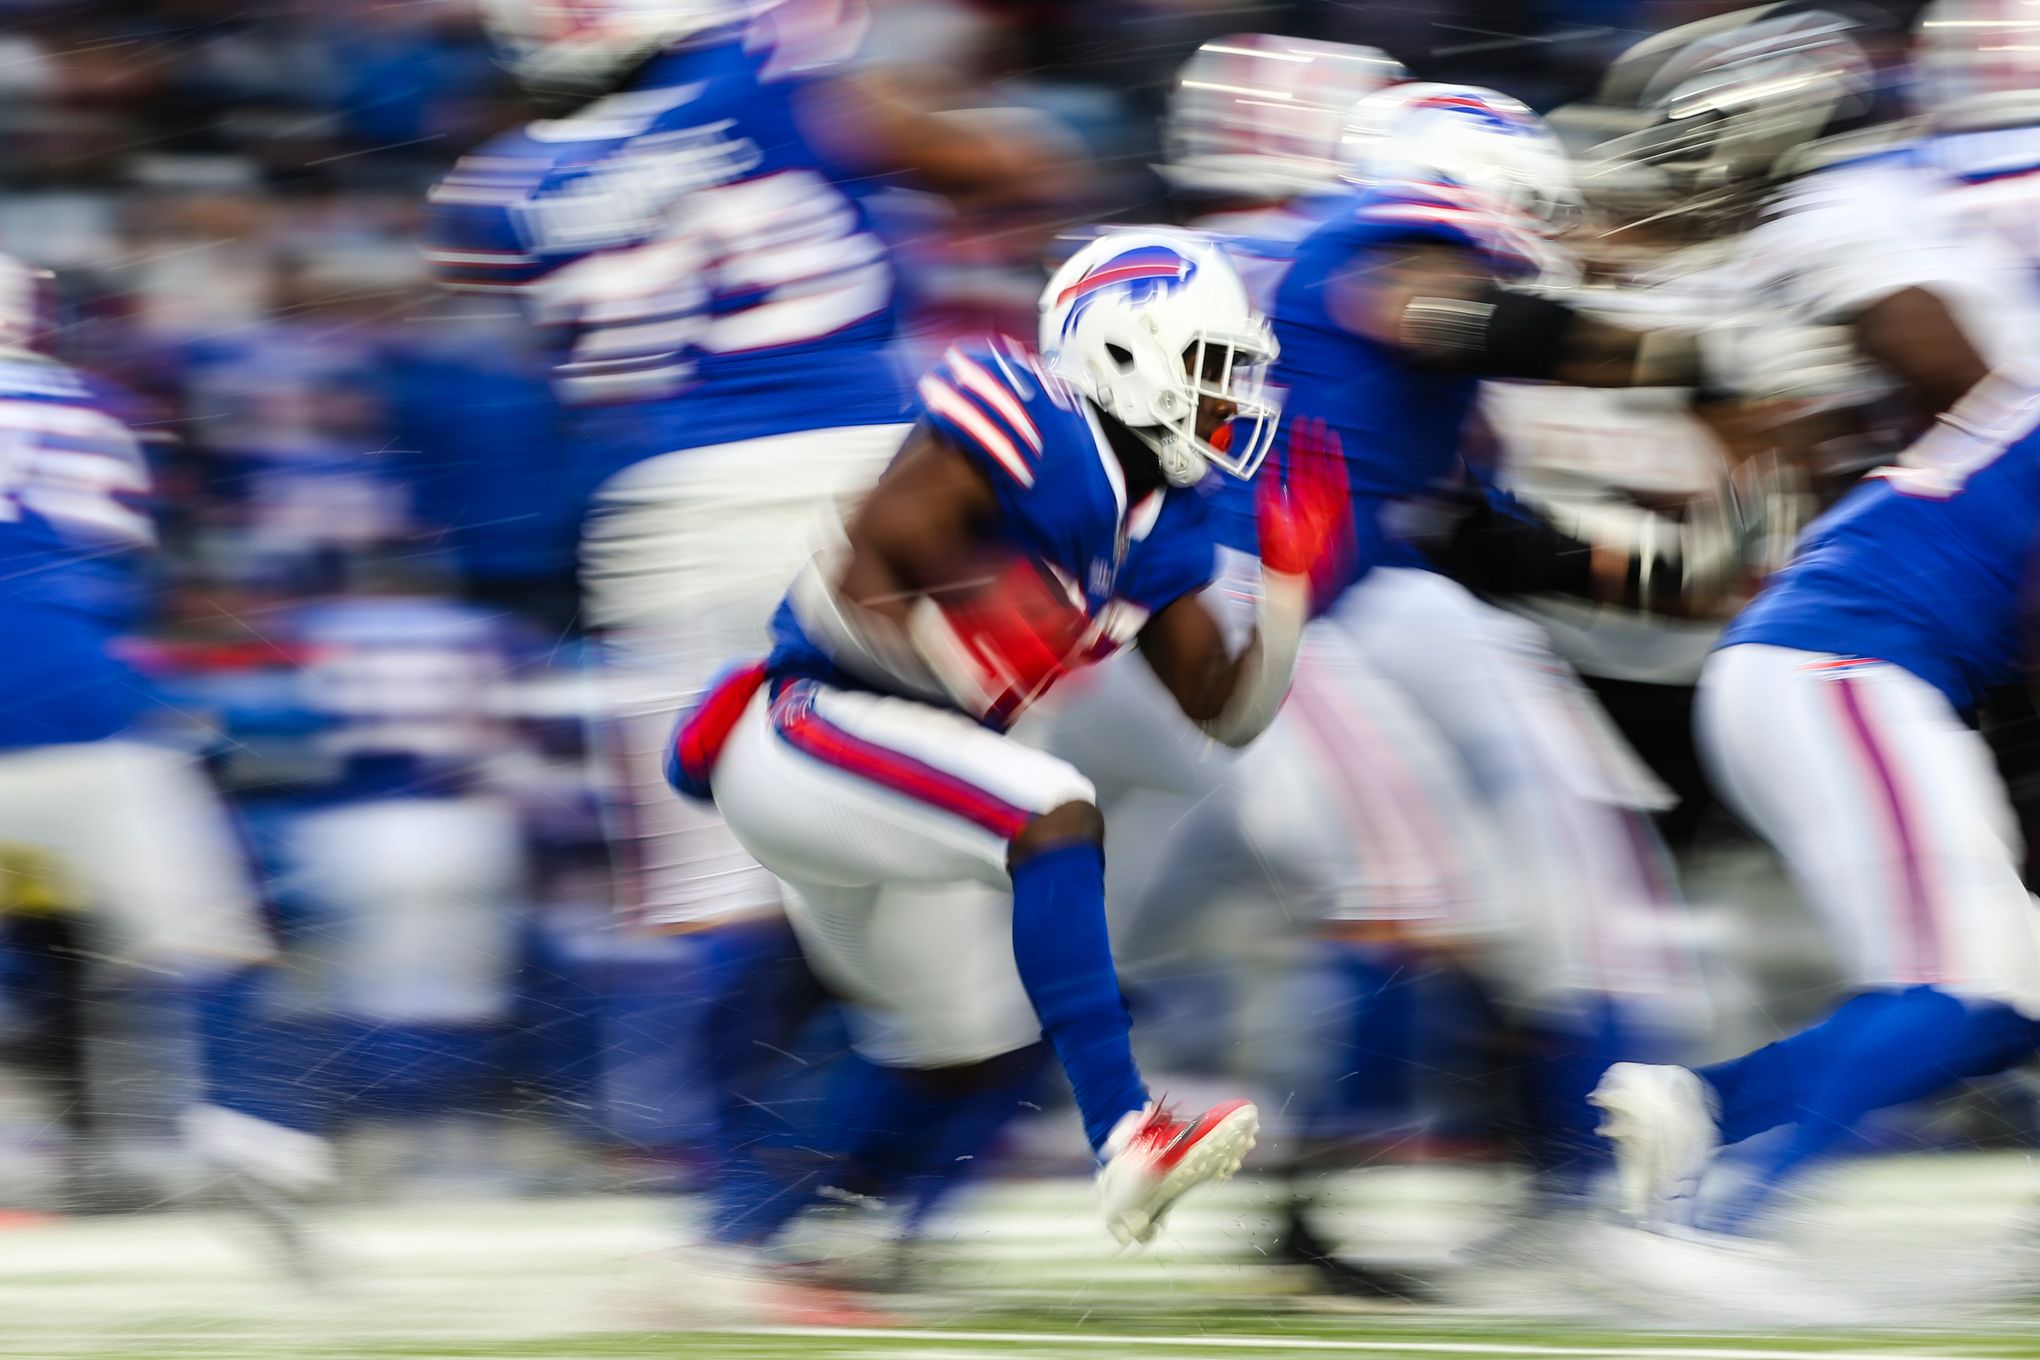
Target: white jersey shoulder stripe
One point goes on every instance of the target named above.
(945, 401)
(999, 397)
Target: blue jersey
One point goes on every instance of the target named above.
(708, 276)
(1062, 500)
(1925, 564)
(1261, 246)
(73, 528)
(1398, 420)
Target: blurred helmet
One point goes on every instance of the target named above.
(1148, 323)
(579, 46)
(1722, 106)
(1486, 158)
(1257, 115)
(1978, 63)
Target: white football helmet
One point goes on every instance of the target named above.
(1149, 323)
(1978, 63)
(1259, 116)
(1487, 156)
(579, 46)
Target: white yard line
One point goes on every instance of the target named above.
(1307, 1343)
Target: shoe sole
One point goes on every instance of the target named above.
(1215, 1159)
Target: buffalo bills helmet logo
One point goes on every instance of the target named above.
(1140, 274)
(1476, 110)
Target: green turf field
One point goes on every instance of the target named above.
(1023, 1272)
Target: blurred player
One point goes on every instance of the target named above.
(1389, 318)
(133, 824)
(1834, 720)
(1860, 297)
(1040, 516)
(1355, 834)
(1639, 474)
(409, 861)
(725, 313)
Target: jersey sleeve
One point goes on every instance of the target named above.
(994, 408)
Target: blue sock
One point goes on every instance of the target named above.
(1880, 1049)
(749, 998)
(958, 1137)
(864, 1105)
(1065, 958)
(251, 1064)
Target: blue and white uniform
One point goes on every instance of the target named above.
(890, 813)
(1834, 714)
(132, 826)
(128, 829)
(725, 313)
(1557, 795)
(1358, 822)
(1832, 718)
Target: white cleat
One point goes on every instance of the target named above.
(1661, 1122)
(1153, 1159)
(272, 1173)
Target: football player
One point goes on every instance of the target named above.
(1860, 297)
(132, 821)
(1392, 313)
(1834, 720)
(947, 879)
(725, 312)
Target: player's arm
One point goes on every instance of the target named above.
(916, 600)
(1913, 335)
(1306, 526)
(882, 122)
(1442, 304)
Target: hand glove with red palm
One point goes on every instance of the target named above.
(1305, 517)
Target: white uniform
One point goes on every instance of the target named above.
(1838, 240)
(890, 821)
(1988, 181)
(140, 834)
(1887, 809)
(685, 557)
(1607, 460)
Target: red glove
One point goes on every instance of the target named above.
(1306, 516)
(1000, 648)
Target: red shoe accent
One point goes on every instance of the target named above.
(1175, 1137)
(811, 1305)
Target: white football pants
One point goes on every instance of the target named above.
(890, 820)
(1586, 906)
(685, 558)
(1888, 811)
(141, 835)
(419, 900)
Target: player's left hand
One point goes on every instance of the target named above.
(1305, 516)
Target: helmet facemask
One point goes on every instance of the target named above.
(1221, 418)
